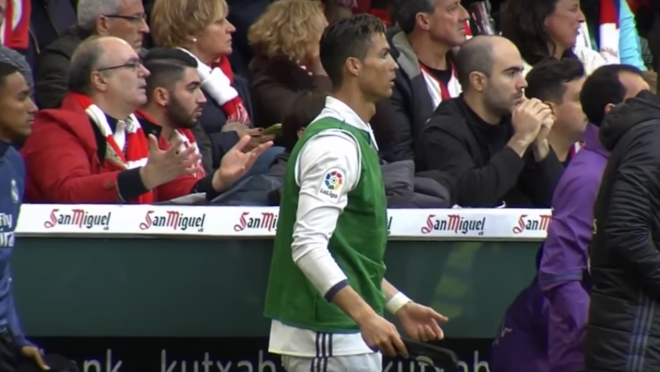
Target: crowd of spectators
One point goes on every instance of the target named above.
(148, 101)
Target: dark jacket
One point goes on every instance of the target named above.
(12, 187)
(214, 118)
(623, 333)
(52, 72)
(404, 189)
(410, 106)
(475, 154)
(275, 84)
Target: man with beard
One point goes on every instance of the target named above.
(174, 98)
(492, 140)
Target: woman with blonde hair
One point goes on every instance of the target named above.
(201, 28)
(286, 43)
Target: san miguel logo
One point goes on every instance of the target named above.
(80, 218)
(173, 220)
(536, 223)
(454, 223)
(266, 221)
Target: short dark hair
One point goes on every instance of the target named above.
(6, 70)
(603, 87)
(475, 54)
(546, 81)
(345, 38)
(405, 12)
(166, 66)
(84, 61)
(306, 107)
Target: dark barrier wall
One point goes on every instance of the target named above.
(152, 302)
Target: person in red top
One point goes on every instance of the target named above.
(174, 99)
(94, 150)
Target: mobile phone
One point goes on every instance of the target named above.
(275, 129)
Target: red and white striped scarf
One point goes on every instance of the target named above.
(15, 29)
(216, 82)
(608, 30)
(135, 150)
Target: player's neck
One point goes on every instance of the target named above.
(355, 99)
(429, 52)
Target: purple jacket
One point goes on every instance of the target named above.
(543, 329)
(563, 275)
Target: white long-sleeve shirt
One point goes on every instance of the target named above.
(330, 152)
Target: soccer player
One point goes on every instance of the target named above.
(326, 291)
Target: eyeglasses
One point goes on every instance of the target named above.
(131, 65)
(136, 18)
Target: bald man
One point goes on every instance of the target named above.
(94, 150)
(491, 139)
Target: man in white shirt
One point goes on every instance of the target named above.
(326, 292)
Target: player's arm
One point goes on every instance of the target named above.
(319, 207)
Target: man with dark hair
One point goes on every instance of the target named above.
(174, 103)
(492, 140)
(95, 148)
(16, 116)
(558, 83)
(429, 30)
(622, 332)
(326, 290)
(551, 334)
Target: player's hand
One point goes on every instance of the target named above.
(33, 353)
(421, 322)
(382, 335)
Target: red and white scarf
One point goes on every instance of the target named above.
(608, 30)
(15, 29)
(127, 147)
(216, 82)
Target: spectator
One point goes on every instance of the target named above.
(494, 156)
(93, 149)
(544, 29)
(121, 18)
(622, 329)
(201, 28)
(17, 111)
(610, 29)
(175, 102)
(558, 83)
(429, 30)
(286, 43)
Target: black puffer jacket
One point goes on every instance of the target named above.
(623, 333)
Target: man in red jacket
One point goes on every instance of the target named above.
(94, 150)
